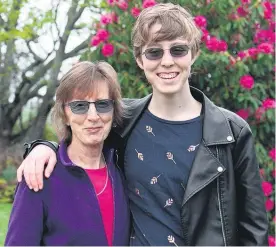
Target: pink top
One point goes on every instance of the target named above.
(105, 199)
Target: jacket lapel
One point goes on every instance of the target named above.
(216, 131)
(216, 127)
(205, 169)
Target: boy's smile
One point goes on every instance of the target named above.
(168, 74)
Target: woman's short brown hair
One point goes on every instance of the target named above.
(175, 22)
(82, 80)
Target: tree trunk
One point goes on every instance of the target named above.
(36, 131)
(4, 143)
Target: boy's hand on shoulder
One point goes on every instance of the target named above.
(33, 166)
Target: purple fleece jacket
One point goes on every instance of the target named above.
(66, 211)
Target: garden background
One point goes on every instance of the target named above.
(39, 42)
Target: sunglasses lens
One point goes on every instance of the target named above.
(104, 106)
(79, 107)
(154, 53)
(179, 51)
(82, 107)
(157, 53)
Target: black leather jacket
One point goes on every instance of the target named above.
(223, 202)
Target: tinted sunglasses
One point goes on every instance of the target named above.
(175, 51)
(82, 106)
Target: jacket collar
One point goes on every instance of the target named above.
(216, 128)
(65, 160)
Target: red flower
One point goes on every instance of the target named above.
(107, 50)
(212, 44)
(242, 12)
(243, 113)
(222, 45)
(247, 81)
(122, 5)
(205, 35)
(253, 52)
(102, 34)
(267, 5)
(271, 241)
(266, 48)
(200, 21)
(135, 11)
(245, 1)
(263, 35)
(95, 40)
(267, 188)
(272, 154)
(269, 204)
(242, 54)
(268, 14)
(269, 103)
(106, 19)
(148, 3)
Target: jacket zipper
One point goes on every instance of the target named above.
(219, 202)
(94, 192)
(114, 207)
(220, 213)
(184, 229)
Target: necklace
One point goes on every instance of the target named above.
(106, 180)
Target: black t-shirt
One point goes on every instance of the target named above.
(158, 158)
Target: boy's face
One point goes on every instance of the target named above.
(168, 74)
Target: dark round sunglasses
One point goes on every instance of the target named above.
(82, 106)
(175, 51)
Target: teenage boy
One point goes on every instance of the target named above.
(190, 166)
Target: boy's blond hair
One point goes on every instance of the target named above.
(175, 22)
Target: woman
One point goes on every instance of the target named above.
(84, 201)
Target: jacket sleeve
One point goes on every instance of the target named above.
(26, 219)
(252, 218)
(30, 146)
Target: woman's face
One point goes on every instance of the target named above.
(90, 128)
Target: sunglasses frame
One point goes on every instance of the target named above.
(71, 106)
(163, 50)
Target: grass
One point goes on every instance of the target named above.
(5, 209)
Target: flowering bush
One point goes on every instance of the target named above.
(235, 67)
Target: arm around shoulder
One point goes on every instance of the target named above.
(41, 154)
(252, 218)
(30, 146)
